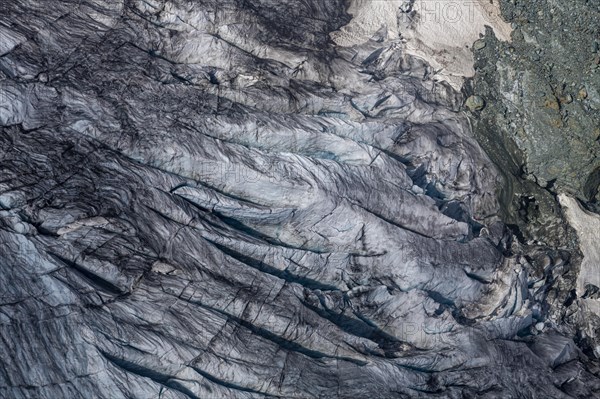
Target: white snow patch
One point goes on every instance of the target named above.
(440, 31)
(587, 226)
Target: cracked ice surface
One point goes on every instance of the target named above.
(210, 199)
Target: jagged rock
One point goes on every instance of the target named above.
(475, 103)
(479, 44)
(557, 144)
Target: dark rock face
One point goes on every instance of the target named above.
(209, 200)
(543, 132)
(546, 83)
